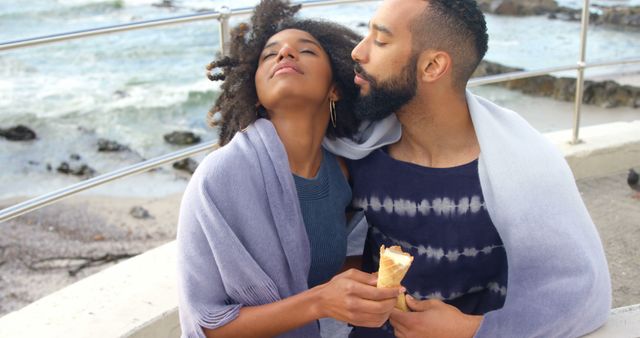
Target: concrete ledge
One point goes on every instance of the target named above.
(624, 322)
(138, 297)
(604, 149)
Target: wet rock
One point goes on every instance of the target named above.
(187, 165)
(76, 170)
(18, 133)
(119, 94)
(164, 4)
(182, 138)
(607, 94)
(621, 16)
(32, 162)
(75, 157)
(49, 167)
(110, 146)
(518, 7)
(140, 213)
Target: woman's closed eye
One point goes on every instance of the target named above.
(268, 55)
(308, 51)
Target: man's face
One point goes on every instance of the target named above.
(386, 66)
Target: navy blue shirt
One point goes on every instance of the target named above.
(438, 215)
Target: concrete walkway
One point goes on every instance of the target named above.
(617, 217)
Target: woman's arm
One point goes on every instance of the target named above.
(350, 297)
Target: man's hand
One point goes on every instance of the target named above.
(352, 297)
(433, 319)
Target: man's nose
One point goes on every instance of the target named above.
(359, 53)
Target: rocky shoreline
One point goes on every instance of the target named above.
(623, 16)
(76, 167)
(605, 94)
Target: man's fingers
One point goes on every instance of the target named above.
(416, 305)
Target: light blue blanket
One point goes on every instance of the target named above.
(558, 284)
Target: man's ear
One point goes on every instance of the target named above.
(433, 64)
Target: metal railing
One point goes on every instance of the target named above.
(223, 16)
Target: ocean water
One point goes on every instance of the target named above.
(134, 87)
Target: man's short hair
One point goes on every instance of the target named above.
(457, 27)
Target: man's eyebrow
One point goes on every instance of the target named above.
(301, 40)
(380, 28)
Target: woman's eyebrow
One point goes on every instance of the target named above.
(301, 40)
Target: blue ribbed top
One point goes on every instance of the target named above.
(323, 201)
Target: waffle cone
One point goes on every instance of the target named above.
(390, 274)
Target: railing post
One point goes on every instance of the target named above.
(580, 77)
(225, 13)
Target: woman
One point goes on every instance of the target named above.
(262, 227)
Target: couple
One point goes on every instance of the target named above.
(503, 244)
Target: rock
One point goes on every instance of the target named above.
(79, 170)
(110, 146)
(164, 4)
(119, 94)
(75, 157)
(140, 213)
(187, 165)
(518, 7)
(607, 94)
(182, 138)
(49, 167)
(18, 133)
(621, 16)
(32, 162)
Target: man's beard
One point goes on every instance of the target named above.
(385, 98)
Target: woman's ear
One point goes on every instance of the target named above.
(334, 93)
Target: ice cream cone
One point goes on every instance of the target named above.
(394, 264)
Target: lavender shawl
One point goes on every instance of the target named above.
(241, 237)
(558, 281)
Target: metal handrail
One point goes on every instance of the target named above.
(223, 16)
(55, 196)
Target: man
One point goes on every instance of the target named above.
(502, 242)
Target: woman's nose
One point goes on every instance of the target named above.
(287, 52)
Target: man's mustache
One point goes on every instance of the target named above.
(362, 73)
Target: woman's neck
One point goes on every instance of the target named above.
(301, 131)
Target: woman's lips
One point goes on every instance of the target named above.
(286, 70)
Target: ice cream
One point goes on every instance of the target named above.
(394, 264)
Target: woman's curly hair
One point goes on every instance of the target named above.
(237, 104)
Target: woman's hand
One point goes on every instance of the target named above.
(353, 297)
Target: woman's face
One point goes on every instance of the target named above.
(293, 66)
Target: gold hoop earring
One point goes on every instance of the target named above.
(332, 112)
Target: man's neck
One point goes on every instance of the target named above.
(301, 132)
(437, 131)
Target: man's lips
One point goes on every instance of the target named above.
(359, 80)
(286, 67)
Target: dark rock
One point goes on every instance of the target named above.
(79, 170)
(621, 16)
(187, 165)
(49, 167)
(140, 213)
(107, 145)
(518, 7)
(32, 162)
(607, 94)
(164, 4)
(120, 94)
(182, 138)
(75, 157)
(18, 133)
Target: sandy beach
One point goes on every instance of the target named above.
(37, 250)
(95, 226)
